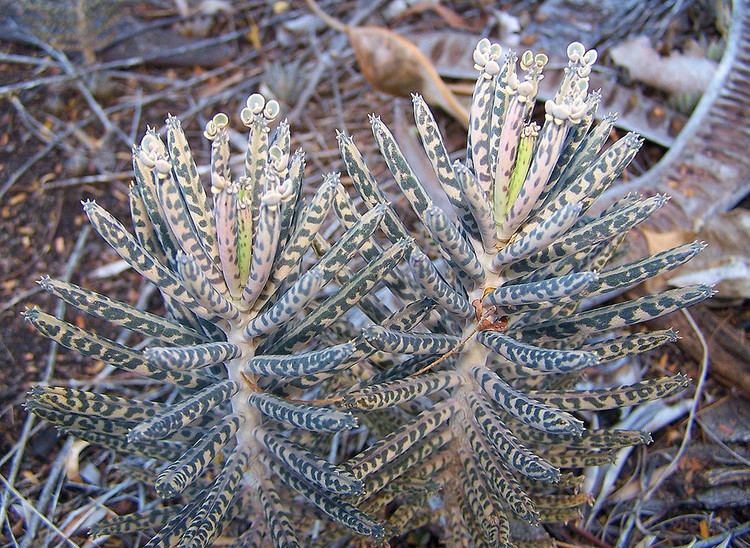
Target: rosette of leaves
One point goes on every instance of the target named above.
(485, 387)
(246, 314)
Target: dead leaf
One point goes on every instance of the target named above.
(707, 169)
(676, 73)
(253, 36)
(662, 241)
(72, 467)
(445, 13)
(392, 64)
(726, 261)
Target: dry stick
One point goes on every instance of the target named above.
(89, 179)
(588, 536)
(337, 45)
(137, 111)
(448, 354)
(459, 345)
(336, 87)
(78, 517)
(49, 370)
(18, 298)
(12, 490)
(39, 155)
(35, 127)
(73, 128)
(55, 476)
(723, 445)
(693, 410)
(635, 518)
(31, 84)
(25, 60)
(124, 63)
(68, 67)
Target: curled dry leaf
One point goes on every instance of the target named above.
(444, 12)
(707, 169)
(72, 465)
(726, 261)
(394, 65)
(674, 73)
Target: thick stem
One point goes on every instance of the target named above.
(249, 415)
(473, 353)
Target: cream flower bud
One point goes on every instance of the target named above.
(272, 110)
(576, 51)
(163, 167)
(255, 103)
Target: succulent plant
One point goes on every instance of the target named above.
(495, 362)
(462, 359)
(240, 325)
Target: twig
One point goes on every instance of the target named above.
(18, 298)
(5, 458)
(36, 128)
(327, 19)
(448, 354)
(735, 532)
(113, 109)
(12, 490)
(49, 370)
(89, 179)
(337, 45)
(11, 89)
(723, 445)
(588, 536)
(85, 91)
(335, 86)
(25, 60)
(136, 115)
(691, 417)
(55, 476)
(124, 63)
(78, 517)
(28, 164)
(312, 83)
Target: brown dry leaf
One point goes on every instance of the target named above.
(394, 65)
(72, 467)
(662, 241)
(444, 12)
(676, 73)
(726, 261)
